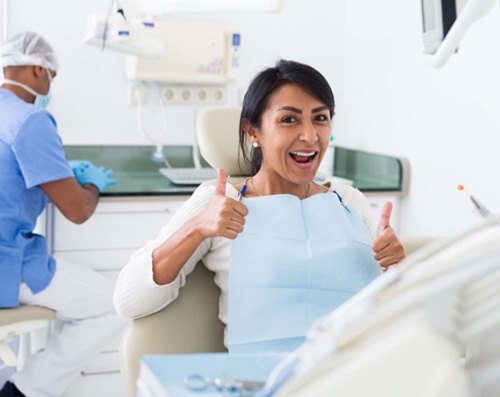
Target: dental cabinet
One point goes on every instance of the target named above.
(381, 178)
(119, 226)
(133, 212)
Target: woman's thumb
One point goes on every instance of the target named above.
(220, 188)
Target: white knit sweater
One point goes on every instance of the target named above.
(136, 293)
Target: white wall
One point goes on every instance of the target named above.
(3, 16)
(443, 120)
(90, 93)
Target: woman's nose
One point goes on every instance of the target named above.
(309, 133)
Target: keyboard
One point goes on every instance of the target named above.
(189, 176)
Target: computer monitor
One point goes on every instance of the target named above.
(437, 18)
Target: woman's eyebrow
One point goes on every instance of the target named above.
(320, 109)
(299, 111)
(290, 108)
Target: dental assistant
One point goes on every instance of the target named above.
(285, 250)
(34, 170)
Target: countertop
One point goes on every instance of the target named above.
(138, 175)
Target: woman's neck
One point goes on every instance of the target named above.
(263, 185)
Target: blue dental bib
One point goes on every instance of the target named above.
(296, 261)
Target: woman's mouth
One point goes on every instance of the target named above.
(303, 159)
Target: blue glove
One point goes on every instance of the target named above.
(86, 172)
(82, 164)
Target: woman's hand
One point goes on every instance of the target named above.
(222, 216)
(387, 248)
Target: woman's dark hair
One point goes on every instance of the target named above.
(264, 85)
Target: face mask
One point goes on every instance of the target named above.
(43, 100)
(40, 100)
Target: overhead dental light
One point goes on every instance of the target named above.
(119, 33)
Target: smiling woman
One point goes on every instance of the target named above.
(290, 97)
(291, 138)
(284, 249)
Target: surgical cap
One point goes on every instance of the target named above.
(28, 48)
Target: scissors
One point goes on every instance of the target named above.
(197, 382)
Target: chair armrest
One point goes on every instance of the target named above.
(190, 324)
(412, 244)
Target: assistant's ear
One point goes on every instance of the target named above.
(38, 71)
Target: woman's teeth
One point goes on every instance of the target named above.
(303, 157)
(304, 154)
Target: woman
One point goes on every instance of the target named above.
(295, 249)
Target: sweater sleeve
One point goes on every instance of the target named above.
(136, 293)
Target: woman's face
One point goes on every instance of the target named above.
(294, 134)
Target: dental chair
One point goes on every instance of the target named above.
(190, 324)
(20, 321)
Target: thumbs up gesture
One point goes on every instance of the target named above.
(387, 248)
(222, 215)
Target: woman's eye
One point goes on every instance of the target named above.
(289, 119)
(322, 117)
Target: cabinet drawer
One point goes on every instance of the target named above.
(106, 362)
(118, 225)
(104, 385)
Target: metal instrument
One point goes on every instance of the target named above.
(236, 387)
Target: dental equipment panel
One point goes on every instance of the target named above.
(180, 52)
(194, 53)
(159, 7)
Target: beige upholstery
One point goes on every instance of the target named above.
(189, 324)
(18, 321)
(412, 244)
(217, 135)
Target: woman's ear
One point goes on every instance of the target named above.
(249, 130)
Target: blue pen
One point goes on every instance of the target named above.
(341, 200)
(241, 193)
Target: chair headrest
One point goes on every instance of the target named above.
(217, 132)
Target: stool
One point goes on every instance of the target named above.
(18, 321)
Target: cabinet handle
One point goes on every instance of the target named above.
(100, 372)
(135, 211)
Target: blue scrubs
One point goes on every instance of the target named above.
(31, 153)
